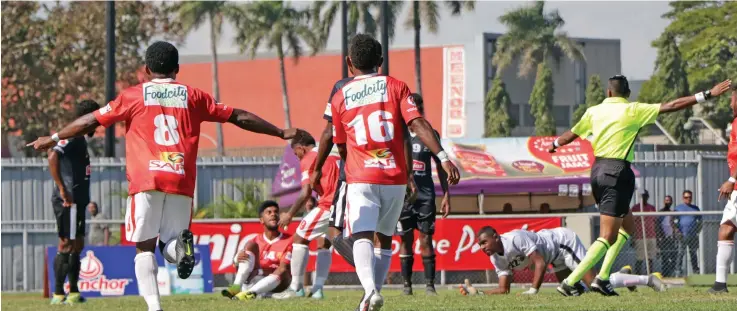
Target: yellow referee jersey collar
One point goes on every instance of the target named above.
(616, 100)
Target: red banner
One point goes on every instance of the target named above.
(454, 242)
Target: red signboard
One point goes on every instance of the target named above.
(454, 242)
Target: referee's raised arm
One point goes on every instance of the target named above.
(612, 128)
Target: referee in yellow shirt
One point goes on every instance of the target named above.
(614, 125)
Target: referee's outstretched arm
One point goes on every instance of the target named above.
(671, 106)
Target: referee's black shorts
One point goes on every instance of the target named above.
(68, 225)
(613, 184)
(337, 210)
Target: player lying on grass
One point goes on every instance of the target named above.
(263, 264)
(315, 224)
(559, 247)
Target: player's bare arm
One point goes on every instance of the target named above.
(688, 101)
(286, 218)
(411, 186)
(540, 266)
(323, 150)
(443, 177)
(253, 123)
(82, 125)
(424, 131)
(55, 171)
(562, 140)
(505, 282)
(251, 246)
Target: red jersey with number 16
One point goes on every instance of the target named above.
(732, 149)
(369, 113)
(162, 132)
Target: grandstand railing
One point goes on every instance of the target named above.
(25, 241)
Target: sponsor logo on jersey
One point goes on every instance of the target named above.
(517, 262)
(418, 166)
(411, 101)
(105, 109)
(365, 92)
(165, 95)
(380, 158)
(92, 278)
(171, 162)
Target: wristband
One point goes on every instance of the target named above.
(55, 137)
(732, 180)
(556, 144)
(700, 97)
(442, 156)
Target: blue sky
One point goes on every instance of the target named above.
(635, 23)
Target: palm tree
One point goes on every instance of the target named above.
(534, 37)
(279, 27)
(192, 15)
(428, 13)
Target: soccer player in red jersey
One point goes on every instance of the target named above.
(163, 120)
(369, 114)
(315, 224)
(263, 264)
(728, 225)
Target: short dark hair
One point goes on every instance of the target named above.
(162, 57)
(419, 102)
(86, 106)
(365, 52)
(488, 230)
(619, 86)
(266, 204)
(303, 138)
(687, 191)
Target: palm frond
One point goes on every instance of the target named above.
(430, 15)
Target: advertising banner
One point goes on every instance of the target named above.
(110, 271)
(454, 92)
(454, 242)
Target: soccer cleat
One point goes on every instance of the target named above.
(288, 294)
(568, 290)
(407, 291)
(317, 294)
(231, 291)
(655, 281)
(718, 288)
(430, 290)
(580, 287)
(376, 302)
(185, 254)
(245, 296)
(300, 292)
(467, 289)
(58, 299)
(628, 270)
(603, 287)
(74, 298)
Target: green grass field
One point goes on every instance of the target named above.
(687, 299)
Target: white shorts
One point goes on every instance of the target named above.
(570, 250)
(373, 207)
(730, 210)
(314, 224)
(152, 213)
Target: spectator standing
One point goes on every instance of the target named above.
(99, 233)
(688, 230)
(645, 241)
(667, 243)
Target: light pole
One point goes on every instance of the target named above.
(110, 72)
(344, 36)
(385, 37)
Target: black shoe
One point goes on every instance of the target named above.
(407, 291)
(430, 290)
(568, 290)
(603, 287)
(185, 254)
(580, 287)
(718, 288)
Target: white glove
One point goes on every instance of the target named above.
(531, 291)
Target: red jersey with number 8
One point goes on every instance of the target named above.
(369, 113)
(162, 132)
(732, 149)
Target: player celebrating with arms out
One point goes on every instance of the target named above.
(728, 225)
(163, 119)
(368, 115)
(420, 215)
(559, 247)
(264, 262)
(315, 224)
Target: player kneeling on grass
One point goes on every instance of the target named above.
(559, 247)
(315, 224)
(263, 264)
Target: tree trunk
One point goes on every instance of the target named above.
(418, 61)
(285, 97)
(215, 83)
